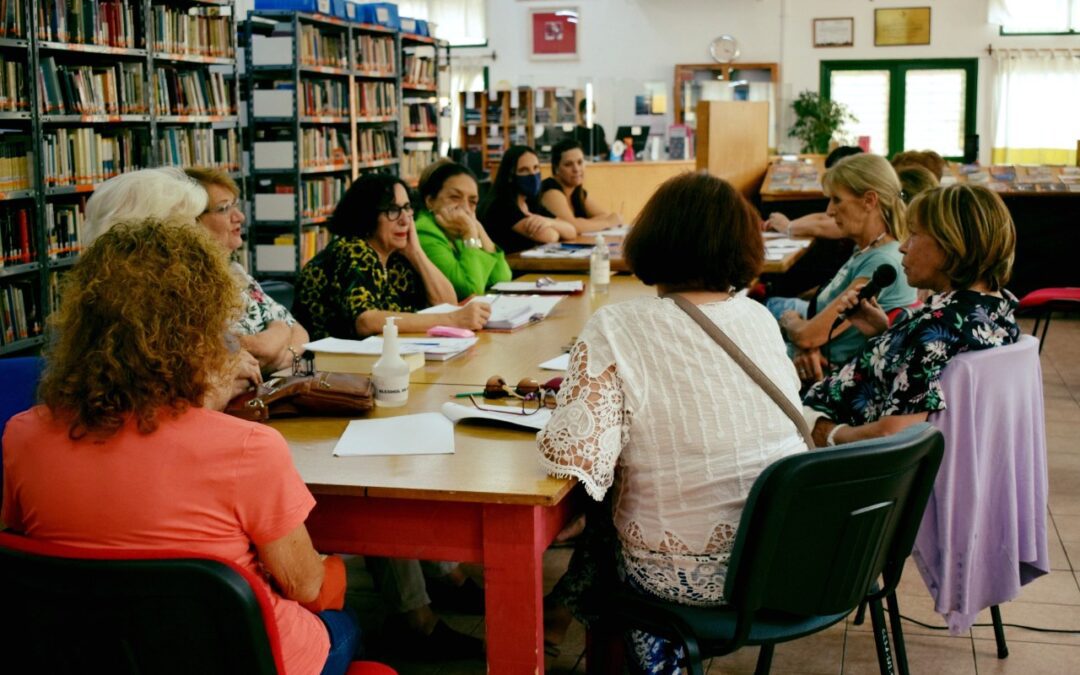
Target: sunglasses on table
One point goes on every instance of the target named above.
(532, 395)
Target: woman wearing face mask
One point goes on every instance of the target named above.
(450, 234)
(511, 213)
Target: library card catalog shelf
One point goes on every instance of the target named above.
(330, 99)
(89, 90)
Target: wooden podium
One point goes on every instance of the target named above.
(733, 142)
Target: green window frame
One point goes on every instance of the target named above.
(897, 89)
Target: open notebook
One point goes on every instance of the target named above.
(508, 311)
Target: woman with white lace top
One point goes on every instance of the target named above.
(655, 409)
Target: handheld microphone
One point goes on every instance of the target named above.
(883, 277)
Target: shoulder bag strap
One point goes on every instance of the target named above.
(751, 368)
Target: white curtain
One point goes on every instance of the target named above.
(1037, 94)
(1034, 16)
(459, 22)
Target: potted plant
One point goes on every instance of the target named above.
(817, 121)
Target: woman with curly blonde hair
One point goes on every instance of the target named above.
(129, 449)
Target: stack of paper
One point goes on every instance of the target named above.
(433, 348)
(558, 251)
(541, 286)
(777, 247)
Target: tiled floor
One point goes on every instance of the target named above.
(1052, 601)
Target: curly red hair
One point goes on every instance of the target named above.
(141, 329)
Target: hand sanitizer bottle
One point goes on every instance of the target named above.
(600, 266)
(390, 372)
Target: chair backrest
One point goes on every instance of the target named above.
(70, 609)
(819, 527)
(19, 377)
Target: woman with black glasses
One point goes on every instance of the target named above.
(374, 267)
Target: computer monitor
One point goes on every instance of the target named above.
(639, 134)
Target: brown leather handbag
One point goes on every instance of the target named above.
(320, 393)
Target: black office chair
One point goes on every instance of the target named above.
(817, 531)
(70, 610)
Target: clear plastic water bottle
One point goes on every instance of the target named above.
(600, 266)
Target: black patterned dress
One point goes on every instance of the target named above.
(347, 279)
(899, 371)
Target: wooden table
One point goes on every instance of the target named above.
(581, 265)
(489, 502)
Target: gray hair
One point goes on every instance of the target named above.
(160, 194)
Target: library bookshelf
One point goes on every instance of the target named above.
(330, 99)
(90, 90)
(494, 120)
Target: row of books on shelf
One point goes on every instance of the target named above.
(376, 99)
(324, 97)
(376, 145)
(416, 158)
(65, 223)
(202, 31)
(20, 317)
(794, 176)
(84, 156)
(13, 96)
(322, 146)
(114, 23)
(114, 89)
(15, 164)
(320, 196)
(323, 48)
(11, 18)
(183, 146)
(422, 118)
(192, 92)
(16, 237)
(375, 54)
(417, 70)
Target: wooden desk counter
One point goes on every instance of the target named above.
(624, 187)
(489, 502)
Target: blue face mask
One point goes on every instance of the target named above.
(529, 185)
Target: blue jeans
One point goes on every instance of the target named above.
(777, 306)
(344, 630)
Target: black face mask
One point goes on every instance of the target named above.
(529, 185)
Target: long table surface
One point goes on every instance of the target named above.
(520, 264)
(488, 502)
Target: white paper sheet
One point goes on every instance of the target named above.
(575, 286)
(560, 362)
(434, 348)
(536, 421)
(422, 434)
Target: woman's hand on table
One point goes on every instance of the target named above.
(778, 222)
(472, 316)
(867, 316)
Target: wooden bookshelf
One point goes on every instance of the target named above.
(492, 121)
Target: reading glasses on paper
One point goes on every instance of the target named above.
(533, 395)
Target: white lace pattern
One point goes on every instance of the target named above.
(654, 409)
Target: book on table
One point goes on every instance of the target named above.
(508, 312)
(359, 356)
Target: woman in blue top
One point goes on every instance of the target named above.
(864, 200)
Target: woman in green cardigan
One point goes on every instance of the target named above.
(452, 236)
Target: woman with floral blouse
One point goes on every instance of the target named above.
(960, 248)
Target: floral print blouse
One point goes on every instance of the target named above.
(899, 371)
(260, 310)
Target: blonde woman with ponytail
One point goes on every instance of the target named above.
(865, 201)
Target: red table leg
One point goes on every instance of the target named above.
(514, 544)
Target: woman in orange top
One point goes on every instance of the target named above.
(129, 449)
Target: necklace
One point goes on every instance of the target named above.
(872, 244)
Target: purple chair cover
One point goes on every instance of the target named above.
(983, 535)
